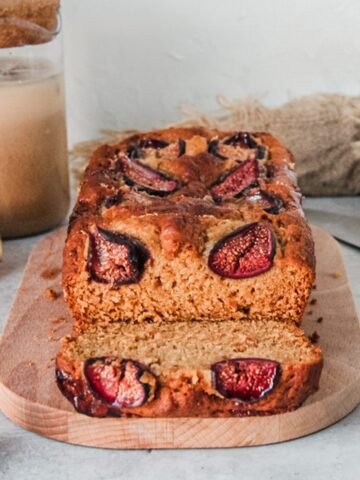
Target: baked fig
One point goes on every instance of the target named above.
(80, 208)
(112, 200)
(269, 202)
(245, 252)
(245, 379)
(103, 375)
(152, 143)
(122, 384)
(115, 258)
(260, 152)
(182, 147)
(213, 149)
(134, 152)
(244, 139)
(236, 181)
(146, 178)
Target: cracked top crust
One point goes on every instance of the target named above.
(184, 215)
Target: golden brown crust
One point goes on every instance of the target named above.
(179, 229)
(184, 393)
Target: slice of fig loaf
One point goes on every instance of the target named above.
(189, 223)
(204, 369)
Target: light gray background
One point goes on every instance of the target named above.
(131, 63)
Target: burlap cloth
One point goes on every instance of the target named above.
(322, 131)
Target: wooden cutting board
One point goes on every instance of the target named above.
(29, 395)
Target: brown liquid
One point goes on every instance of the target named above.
(34, 188)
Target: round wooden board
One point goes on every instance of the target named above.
(29, 395)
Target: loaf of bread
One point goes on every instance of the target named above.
(203, 369)
(188, 224)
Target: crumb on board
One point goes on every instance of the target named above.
(50, 363)
(58, 320)
(314, 337)
(336, 274)
(313, 301)
(309, 312)
(50, 294)
(53, 339)
(314, 287)
(55, 329)
(50, 273)
(320, 319)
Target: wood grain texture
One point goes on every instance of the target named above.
(29, 395)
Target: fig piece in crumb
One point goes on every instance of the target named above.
(145, 178)
(132, 391)
(115, 258)
(112, 200)
(236, 181)
(245, 252)
(269, 202)
(213, 149)
(134, 152)
(181, 147)
(152, 143)
(243, 139)
(103, 375)
(245, 379)
(119, 383)
(261, 152)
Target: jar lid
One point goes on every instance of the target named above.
(27, 22)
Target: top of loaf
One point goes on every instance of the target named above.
(195, 159)
(188, 167)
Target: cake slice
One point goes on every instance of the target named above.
(188, 224)
(188, 369)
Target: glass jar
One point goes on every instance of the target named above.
(34, 183)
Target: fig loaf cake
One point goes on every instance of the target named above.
(188, 224)
(188, 369)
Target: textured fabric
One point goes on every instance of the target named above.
(322, 131)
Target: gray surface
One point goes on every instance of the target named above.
(330, 454)
(341, 226)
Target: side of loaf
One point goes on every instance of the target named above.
(188, 224)
(192, 369)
